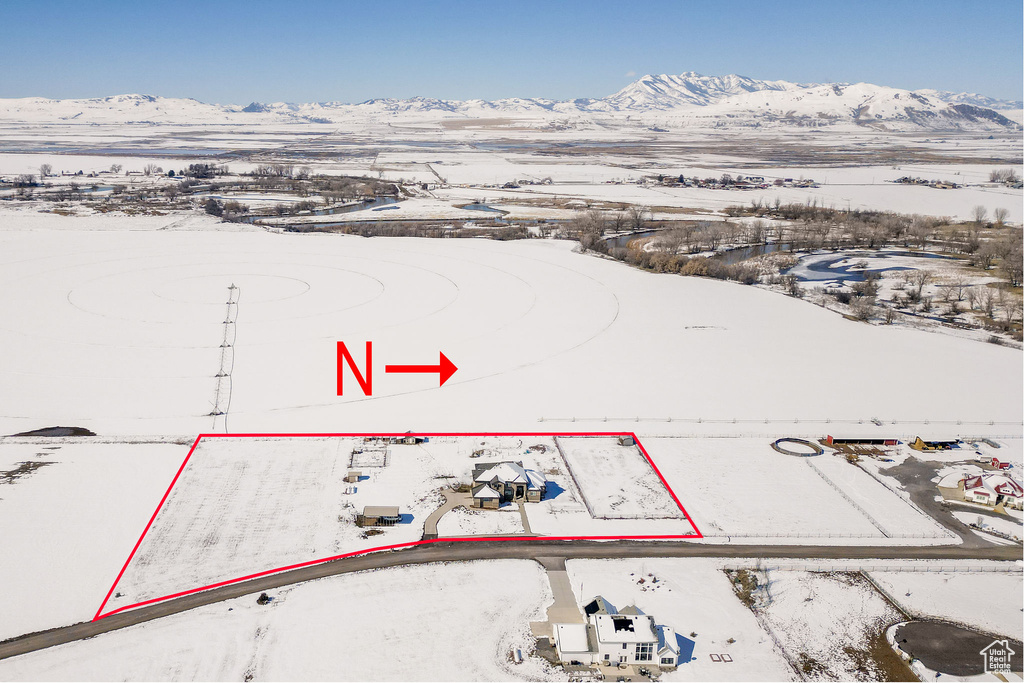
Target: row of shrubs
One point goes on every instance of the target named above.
(701, 266)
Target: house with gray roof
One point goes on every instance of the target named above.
(497, 483)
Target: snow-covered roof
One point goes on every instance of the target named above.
(511, 473)
(667, 641)
(598, 606)
(380, 511)
(485, 491)
(994, 484)
(572, 637)
(625, 628)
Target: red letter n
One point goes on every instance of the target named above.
(344, 356)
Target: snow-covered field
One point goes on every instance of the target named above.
(527, 323)
(66, 527)
(468, 522)
(617, 481)
(741, 487)
(988, 601)
(432, 622)
(803, 610)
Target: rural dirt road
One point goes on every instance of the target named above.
(522, 549)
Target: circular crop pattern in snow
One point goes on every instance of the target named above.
(148, 313)
(148, 290)
(212, 289)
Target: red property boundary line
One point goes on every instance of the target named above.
(100, 614)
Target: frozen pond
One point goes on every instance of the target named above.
(822, 267)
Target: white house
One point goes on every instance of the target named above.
(495, 483)
(993, 489)
(628, 637)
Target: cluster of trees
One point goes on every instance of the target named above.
(281, 171)
(229, 210)
(205, 171)
(407, 229)
(700, 266)
(1003, 175)
(590, 226)
(998, 306)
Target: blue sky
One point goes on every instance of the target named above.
(237, 52)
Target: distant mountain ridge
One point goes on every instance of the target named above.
(653, 101)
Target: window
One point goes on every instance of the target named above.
(667, 660)
(623, 646)
(607, 657)
(644, 652)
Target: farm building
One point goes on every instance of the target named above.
(993, 489)
(627, 637)
(496, 483)
(379, 515)
(920, 444)
(859, 441)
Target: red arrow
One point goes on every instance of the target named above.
(445, 368)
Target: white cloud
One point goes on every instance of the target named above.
(630, 73)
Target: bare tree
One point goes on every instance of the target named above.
(921, 278)
(980, 213)
(757, 232)
(973, 295)
(151, 169)
(1000, 216)
(638, 216)
(959, 285)
(115, 168)
(44, 170)
(618, 221)
(988, 301)
(863, 308)
(588, 227)
(1013, 264)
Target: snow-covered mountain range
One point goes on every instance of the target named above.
(685, 100)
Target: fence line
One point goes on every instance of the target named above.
(786, 535)
(888, 596)
(1001, 568)
(572, 475)
(848, 499)
(701, 420)
(904, 495)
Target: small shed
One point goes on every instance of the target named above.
(626, 440)
(920, 444)
(379, 515)
(353, 476)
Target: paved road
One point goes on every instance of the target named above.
(539, 550)
(915, 476)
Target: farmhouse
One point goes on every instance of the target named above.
(496, 483)
(993, 489)
(613, 639)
